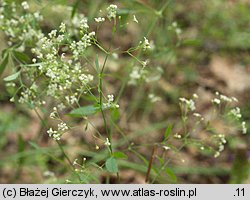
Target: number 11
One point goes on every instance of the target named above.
(240, 192)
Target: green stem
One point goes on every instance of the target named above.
(101, 101)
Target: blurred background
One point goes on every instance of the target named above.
(198, 47)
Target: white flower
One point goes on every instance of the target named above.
(52, 33)
(197, 115)
(110, 98)
(235, 112)
(85, 79)
(195, 96)
(189, 103)
(153, 98)
(115, 55)
(25, 5)
(52, 115)
(38, 16)
(61, 106)
(177, 136)
(135, 74)
(107, 143)
(234, 99)
(145, 63)
(216, 101)
(178, 31)
(56, 136)
(48, 173)
(92, 34)
(99, 19)
(221, 148)
(110, 103)
(134, 19)
(51, 132)
(145, 44)
(62, 27)
(166, 148)
(71, 99)
(112, 10)
(84, 23)
(217, 154)
(75, 162)
(244, 128)
(62, 126)
(182, 99)
(225, 98)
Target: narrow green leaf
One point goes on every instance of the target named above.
(171, 174)
(111, 165)
(115, 115)
(21, 57)
(192, 42)
(168, 131)
(21, 148)
(21, 143)
(12, 77)
(4, 63)
(5, 52)
(120, 154)
(75, 6)
(34, 145)
(84, 111)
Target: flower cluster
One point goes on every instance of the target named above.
(221, 142)
(110, 103)
(22, 29)
(99, 19)
(136, 75)
(56, 134)
(235, 112)
(60, 67)
(64, 73)
(189, 104)
(244, 128)
(213, 142)
(145, 44)
(220, 98)
(78, 23)
(153, 98)
(25, 5)
(112, 10)
(174, 27)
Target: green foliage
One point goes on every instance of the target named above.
(12, 77)
(168, 131)
(120, 155)
(22, 57)
(171, 175)
(4, 63)
(84, 111)
(241, 168)
(111, 165)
